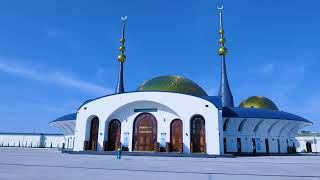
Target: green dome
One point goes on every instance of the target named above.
(258, 102)
(176, 84)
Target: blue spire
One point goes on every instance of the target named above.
(121, 59)
(224, 91)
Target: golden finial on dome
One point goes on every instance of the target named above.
(221, 31)
(122, 58)
(222, 40)
(222, 50)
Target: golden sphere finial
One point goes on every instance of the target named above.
(221, 31)
(122, 40)
(122, 58)
(122, 48)
(222, 51)
(222, 40)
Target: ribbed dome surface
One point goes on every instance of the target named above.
(176, 84)
(258, 102)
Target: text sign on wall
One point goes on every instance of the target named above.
(126, 139)
(146, 110)
(163, 140)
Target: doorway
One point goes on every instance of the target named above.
(267, 146)
(198, 134)
(254, 145)
(114, 134)
(309, 147)
(176, 133)
(239, 145)
(94, 129)
(145, 132)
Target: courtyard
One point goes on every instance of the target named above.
(50, 164)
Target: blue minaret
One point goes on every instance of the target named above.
(224, 91)
(121, 59)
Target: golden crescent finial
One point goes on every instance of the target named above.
(220, 8)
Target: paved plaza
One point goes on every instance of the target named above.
(47, 164)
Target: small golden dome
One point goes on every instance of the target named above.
(222, 40)
(122, 48)
(122, 58)
(222, 51)
(221, 31)
(122, 40)
(258, 102)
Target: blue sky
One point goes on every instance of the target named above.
(54, 55)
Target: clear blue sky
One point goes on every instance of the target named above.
(54, 55)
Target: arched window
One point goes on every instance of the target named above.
(176, 135)
(198, 134)
(94, 130)
(114, 134)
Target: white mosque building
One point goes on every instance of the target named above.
(174, 114)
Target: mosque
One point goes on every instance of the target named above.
(174, 114)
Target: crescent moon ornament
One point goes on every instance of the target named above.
(124, 18)
(220, 8)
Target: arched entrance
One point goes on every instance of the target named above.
(176, 133)
(114, 134)
(198, 134)
(94, 130)
(309, 147)
(144, 132)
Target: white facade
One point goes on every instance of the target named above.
(30, 140)
(302, 142)
(169, 106)
(222, 135)
(269, 135)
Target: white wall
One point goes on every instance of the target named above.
(31, 140)
(260, 129)
(170, 106)
(302, 140)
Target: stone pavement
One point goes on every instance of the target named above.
(50, 164)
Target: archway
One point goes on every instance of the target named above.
(309, 147)
(176, 133)
(114, 134)
(144, 132)
(94, 130)
(198, 134)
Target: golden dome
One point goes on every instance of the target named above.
(176, 84)
(121, 58)
(258, 102)
(222, 51)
